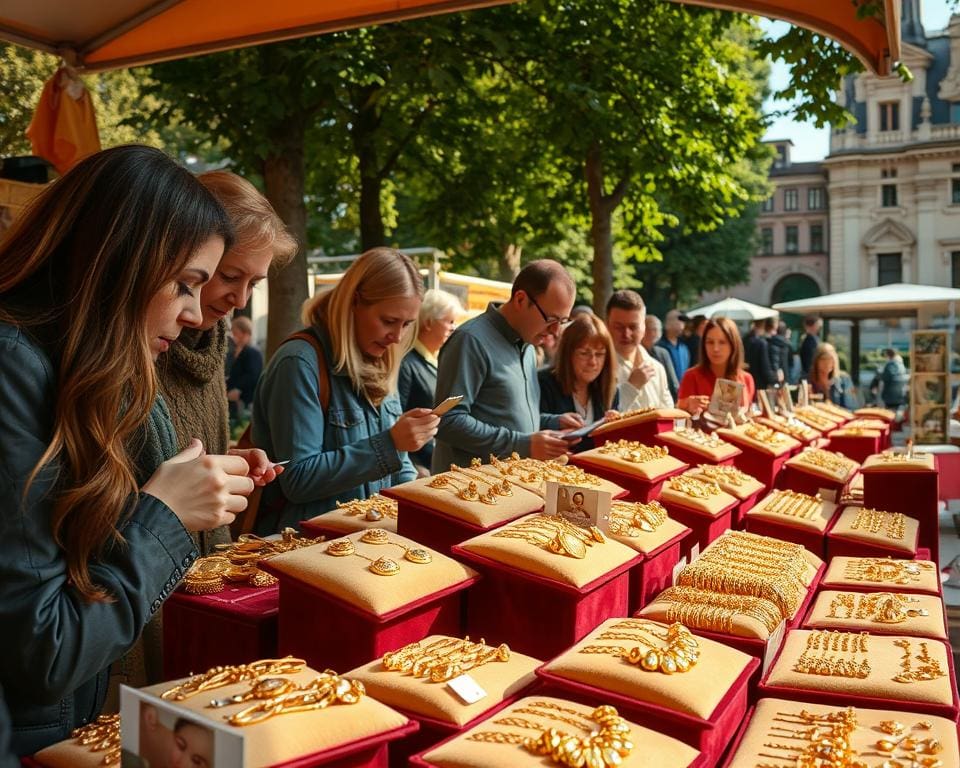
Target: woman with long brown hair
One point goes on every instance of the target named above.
(97, 279)
(721, 357)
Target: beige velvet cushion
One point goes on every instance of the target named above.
(350, 579)
(446, 501)
(881, 413)
(730, 479)
(500, 680)
(925, 579)
(885, 663)
(877, 424)
(844, 467)
(607, 456)
(712, 505)
(849, 431)
(741, 625)
(600, 559)
(760, 437)
(70, 754)
(650, 748)
(717, 451)
(813, 562)
(821, 413)
(844, 529)
(818, 522)
(930, 625)
(630, 418)
(863, 739)
(285, 737)
(337, 520)
(796, 429)
(648, 541)
(816, 419)
(832, 408)
(578, 476)
(898, 462)
(696, 692)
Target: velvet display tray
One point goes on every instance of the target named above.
(641, 426)
(810, 534)
(804, 433)
(229, 627)
(517, 607)
(686, 450)
(934, 625)
(334, 524)
(876, 413)
(927, 580)
(704, 528)
(747, 492)
(914, 492)
(841, 541)
(857, 447)
(639, 487)
(798, 478)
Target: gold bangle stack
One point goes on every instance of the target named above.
(724, 474)
(892, 524)
(555, 534)
(102, 735)
(834, 654)
(325, 690)
(380, 566)
(633, 451)
(373, 509)
(535, 473)
(793, 504)
(715, 611)
(443, 659)
(673, 650)
(928, 668)
(885, 570)
(632, 518)
(699, 437)
(693, 487)
(833, 463)
(217, 677)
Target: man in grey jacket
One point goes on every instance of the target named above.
(490, 361)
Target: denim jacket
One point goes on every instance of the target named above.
(55, 648)
(345, 453)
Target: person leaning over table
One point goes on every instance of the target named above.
(490, 361)
(583, 378)
(721, 357)
(357, 444)
(96, 506)
(827, 380)
(417, 382)
(192, 372)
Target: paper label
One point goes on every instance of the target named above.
(828, 494)
(695, 552)
(676, 570)
(467, 689)
(773, 646)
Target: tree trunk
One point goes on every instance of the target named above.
(602, 207)
(283, 177)
(365, 124)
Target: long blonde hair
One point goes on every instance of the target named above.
(378, 275)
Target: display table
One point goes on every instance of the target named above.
(697, 447)
(701, 506)
(764, 449)
(641, 469)
(880, 613)
(793, 516)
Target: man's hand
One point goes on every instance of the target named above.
(641, 374)
(547, 444)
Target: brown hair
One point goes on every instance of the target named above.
(256, 224)
(535, 278)
(625, 299)
(729, 329)
(583, 330)
(79, 268)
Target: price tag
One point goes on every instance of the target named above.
(695, 552)
(828, 494)
(467, 689)
(773, 645)
(676, 570)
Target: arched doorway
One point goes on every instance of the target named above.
(790, 288)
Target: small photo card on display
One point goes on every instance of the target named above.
(727, 396)
(581, 506)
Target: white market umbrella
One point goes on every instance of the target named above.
(735, 309)
(896, 300)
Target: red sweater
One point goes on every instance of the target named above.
(697, 381)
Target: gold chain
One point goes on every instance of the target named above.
(373, 509)
(217, 677)
(102, 735)
(443, 659)
(633, 451)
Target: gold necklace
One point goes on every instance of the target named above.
(102, 735)
(832, 462)
(373, 508)
(444, 659)
(928, 668)
(381, 566)
(885, 570)
(555, 534)
(820, 657)
(500, 488)
(893, 524)
(694, 487)
(631, 518)
(724, 474)
(327, 689)
(679, 654)
(217, 677)
(469, 492)
(633, 451)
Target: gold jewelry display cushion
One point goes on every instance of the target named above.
(419, 695)
(649, 747)
(601, 484)
(855, 432)
(802, 462)
(844, 529)
(841, 413)
(831, 605)
(915, 575)
(284, 738)
(599, 560)
(820, 413)
(813, 562)
(446, 501)
(70, 754)
(648, 541)
(335, 520)
(778, 721)
(780, 424)
(749, 485)
(741, 625)
(823, 511)
(878, 424)
(712, 505)
(879, 413)
(695, 692)
(899, 462)
(350, 578)
(655, 414)
(719, 452)
(885, 658)
(647, 470)
(775, 444)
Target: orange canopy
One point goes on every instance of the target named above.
(106, 34)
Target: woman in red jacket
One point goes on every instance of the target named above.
(721, 357)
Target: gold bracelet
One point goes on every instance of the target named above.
(633, 451)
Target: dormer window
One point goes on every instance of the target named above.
(889, 115)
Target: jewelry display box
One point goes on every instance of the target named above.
(881, 613)
(640, 468)
(871, 574)
(695, 446)
(856, 442)
(640, 425)
(740, 484)
(355, 515)
(701, 506)
(795, 517)
(866, 532)
(815, 470)
(764, 450)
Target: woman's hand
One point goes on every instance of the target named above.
(414, 429)
(205, 492)
(571, 421)
(262, 470)
(694, 404)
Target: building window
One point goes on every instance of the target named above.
(888, 195)
(889, 115)
(768, 205)
(955, 185)
(955, 268)
(815, 198)
(889, 268)
(816, 238)
(766, 241)
(791, 200)
(793, 239)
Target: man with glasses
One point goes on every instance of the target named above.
(490, 361)
(642, 380)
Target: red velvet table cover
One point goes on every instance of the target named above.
(638, 489)
(704, 528)
(856, 447)
(813, 541)
(737, 739)
(793, 478)
(536, 615)
(229, 627)
(710, 736)
(914, 493)
(738, 519)
(760, 465)
(655, 573)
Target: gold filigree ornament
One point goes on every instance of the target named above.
(444, 659)
(693, 487)
(468, 492)
(885, 570)
(325, 690)
(102, 735)
(633, 451)
(631, 518)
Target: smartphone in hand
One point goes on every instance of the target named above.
(583, 431)
(447, 404)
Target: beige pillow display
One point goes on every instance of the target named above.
(419, 695)
(849, 431)
(887, 658)
(562, 472)
(816, 419)
(529, 557)
(793, 427)
(739, 624)
(696, 692)
(632, 458)
(882, 573)
(703, 496)
(900, 462)
(649, 541)
(639, 416)
(711, 447)
(829, 464)
(731, 480)
(70, 754)
(821, 413)
(350, 578)
(881, 413)
(374, 512)
(882, 613)
(775, 719)
(490, 743)
(893, 530)
(875, 424)
(285, 737)
(832, 408)
(760, 437)
(796, 510)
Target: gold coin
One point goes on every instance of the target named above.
(384, 566)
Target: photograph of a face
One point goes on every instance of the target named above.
(581, 506)
(930, 424)
(727, 395)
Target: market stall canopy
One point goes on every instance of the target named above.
(106, 34)
(735, 309)
(874, 40)
(896, 300)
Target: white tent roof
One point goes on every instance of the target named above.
(735, 309)
(896, 300)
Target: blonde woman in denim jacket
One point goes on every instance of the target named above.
(359, 446)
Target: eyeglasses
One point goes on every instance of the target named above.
(591, 354)
(560, 322)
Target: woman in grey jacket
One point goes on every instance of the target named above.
(97, 278)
